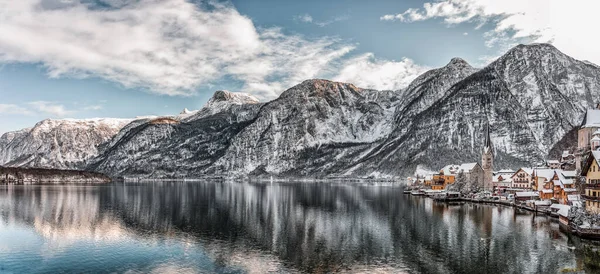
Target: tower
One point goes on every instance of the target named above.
(487, 161)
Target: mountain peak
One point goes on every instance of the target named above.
(320, 88)
(233, 97)
(534, 49)
(458, 61)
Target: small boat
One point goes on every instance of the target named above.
(406, 191)
(447, 196)
(416, 192)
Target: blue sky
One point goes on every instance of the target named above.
(126, 58)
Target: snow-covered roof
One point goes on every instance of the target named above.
(597, 132)
(547, 191)
(564, 212)
(596, 138)
(450, 169)
(558, 206)
(467, 167)
(529, 171)
(553, 162)
(526, 194)
(545, 172)
(573, 197)
(596, 155)
(569, 173)
(591, 118)
(566, 153)
(505, 179)
(542, 203)
(570, 190)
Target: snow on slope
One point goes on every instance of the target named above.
(66, 143)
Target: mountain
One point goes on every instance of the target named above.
(62, 144)
(531, 98)
(177, 146)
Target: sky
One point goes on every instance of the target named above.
(128, 58)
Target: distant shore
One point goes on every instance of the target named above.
(31, 176)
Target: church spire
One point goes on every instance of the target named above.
(487, 145)
(487, 161)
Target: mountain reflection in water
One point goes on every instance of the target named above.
(231, 227)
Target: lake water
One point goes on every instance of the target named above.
(230, 227)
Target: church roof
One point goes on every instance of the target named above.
(467, 167)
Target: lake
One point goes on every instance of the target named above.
(241, 227)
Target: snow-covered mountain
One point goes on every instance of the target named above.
(172, 147)
(531, 97)
(66, 143)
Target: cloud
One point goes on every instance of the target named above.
(465, 33)
(368, 72)
(307, 18)
(169, 47)
(304, 18)
(50, 108)
(13, 110)
(565, 24)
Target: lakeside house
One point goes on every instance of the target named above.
(502, 182)
(522, 179)
(591, 171)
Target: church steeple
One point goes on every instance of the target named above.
(487, 160)
(487, 145)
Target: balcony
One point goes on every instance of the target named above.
(592, 186)
(594, 198)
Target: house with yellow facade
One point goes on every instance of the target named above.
(591, 171)
(445, 177)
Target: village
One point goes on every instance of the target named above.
(567, 188)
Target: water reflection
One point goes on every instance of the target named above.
(256, 227)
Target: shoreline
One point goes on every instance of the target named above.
(583, 233)
(35, 176)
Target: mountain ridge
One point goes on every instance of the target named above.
(531, 97)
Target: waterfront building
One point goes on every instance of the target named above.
(591, 171)
(487, 161)
(445, 177)
(501, 182)
(522, 179)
